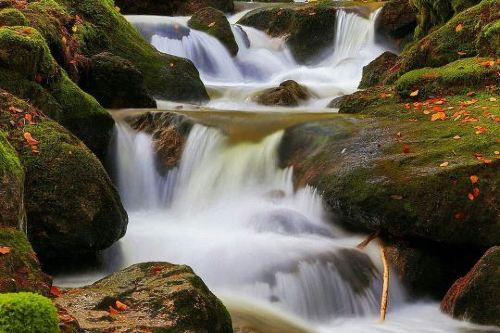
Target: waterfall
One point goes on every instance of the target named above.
(235, 217)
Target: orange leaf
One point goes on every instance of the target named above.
(474, 179)
(112, 310)
(29, 139)
(121, 306)
(437, 108)
(5, 250)
(461, 53)
(414, 93)
(444, 164)
(438, 115)
(459, 27)
(211, 24)
(470, 196)
(55, 291)
(475, 192)
(480, 129)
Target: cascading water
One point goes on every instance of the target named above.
(264, 62)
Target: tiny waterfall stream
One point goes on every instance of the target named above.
(230, 212)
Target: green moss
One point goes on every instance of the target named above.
(9, 162)
(446, 44)
(24, 50)
(488, 42)
(27, 313)
(457, 77)
(12, 17)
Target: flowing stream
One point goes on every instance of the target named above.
(230, 212)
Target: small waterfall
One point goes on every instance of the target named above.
(235, 217)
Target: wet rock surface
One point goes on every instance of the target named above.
(157, 296)
(373, 73)
(289, 93)
(396, 21)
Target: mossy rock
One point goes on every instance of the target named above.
(396, 21)
(72, 207)
(27, 313)
(12, 17)
(476, 296)
(215, 23)
(20, 269)
(452, 41)
(460, 76)
(310, 29)
(373, 73)
(115, 83)
(289, 93)
(160, 297)
(488, 42)
(172, 7)
(11, 186)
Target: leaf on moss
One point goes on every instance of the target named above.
(444, 164)
(5, 250)
(459, 27)
(414, 93)
(438, 116)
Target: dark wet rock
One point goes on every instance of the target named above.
(215, 23)
(476, 296)
(169, 131)
(396, 21)
(72, 207)
(373, 73)
(426, 268)
(172, 7)
(20, 269)
(159, 297)
(115, 83)
(309, 29)
(289, 93)
(335, 103)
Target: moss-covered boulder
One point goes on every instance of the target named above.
(12, 17)
(396, 21)
(488, 42)
(156, 296)
(27, 313)
(11, 185)
(373, 73)
(72, 207)
(458, 77)
(310, 29)
(115, 83)
(28, 70)
(289, 93)
(172, 7)
(215, 23)
(476, 296)
(452, 41)
(19, 267)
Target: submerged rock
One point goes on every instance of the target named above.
(476, 296)
(289, 93)
(157, 296)
(172, 7)
(72, 207)
(20, 269)
(373, 73)
(215, 23)
(115, 83)
(309, 29)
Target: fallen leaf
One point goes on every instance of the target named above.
(444, 164)
(121, 306)
(474, 179)
(5, 250)
(470, 93)
(459, 27)
(470, 196)
(211, 24)
(65, 317)
(487, 63)
(480, 129)
(475, 192)
(438, 116)
(396, 197)
(13, 109)
(459, 215)
(406, 149)
(461, 53)
(457, 137)
(414, 93)
(54, 291)
(29, 139)
(492, 99)
(112, 310)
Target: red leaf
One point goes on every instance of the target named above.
(5, 250)
(54, 291)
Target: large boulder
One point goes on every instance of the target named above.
(115, 83)
(215, 23)
(373, 73)
(72, 207)
(309, 29)
(28, 70)
(19, 267)
(12, 17)
(476, 296)
(77, 30)
(396, 21)
(156, 297)
(172, 7)
(289, 93)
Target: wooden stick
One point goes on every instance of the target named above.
(367, 241)
(385, 287)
